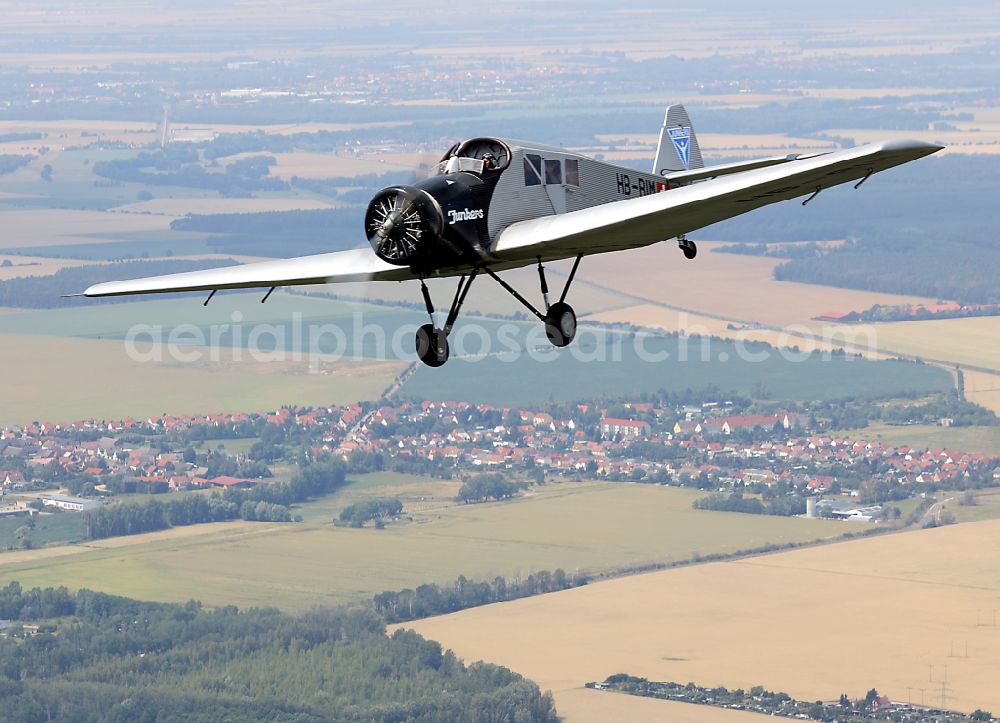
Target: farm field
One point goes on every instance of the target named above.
(173, 207)
(62, 379)
(863, 340)
(727, 286)
(33, 266)
(910, 601)
(983, 389)
(48, 529)
(958, 341)
(986, 140)
(985, 440)
(250, 333)
(29, 228)
(635, 365)
(986, 507)
(576, 526)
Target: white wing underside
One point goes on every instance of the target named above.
(616, 226)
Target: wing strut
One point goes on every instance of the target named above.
(814, 194)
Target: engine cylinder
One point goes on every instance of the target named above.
(403, 224)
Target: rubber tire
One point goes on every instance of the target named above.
(690, 249)
(560, 324)
(432, 346)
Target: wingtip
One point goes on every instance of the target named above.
(911, 146)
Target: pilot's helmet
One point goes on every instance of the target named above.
(489, 159)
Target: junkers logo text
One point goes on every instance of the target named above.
(464, 215)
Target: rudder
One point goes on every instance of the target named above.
(678, 148)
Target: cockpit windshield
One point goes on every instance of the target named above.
(479, 156)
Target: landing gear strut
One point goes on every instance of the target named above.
(432, 342)
(688, 247)
(559, 318)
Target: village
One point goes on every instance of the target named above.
(78, 466)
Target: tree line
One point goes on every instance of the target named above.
(736, 502)
(432, 599)
(357, 514)
(485, 487)
(263, 503)
(111, 659)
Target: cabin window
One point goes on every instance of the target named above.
(572, 172)
(532, 170)
(553, 171)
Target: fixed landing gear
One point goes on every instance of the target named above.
(560, 324)
(689, 248)
(432, 345)
(559, 318)
(431, 342)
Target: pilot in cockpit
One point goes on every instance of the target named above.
(489, 162)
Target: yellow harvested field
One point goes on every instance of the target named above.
(985, 141)
(183, 206)
(806, 338)
(51, 226)
(329, 165)
(34, 266)
(65, 133)
(62, 379)
(983, 389)
(285, 128)
(956, 341)
(901, 92)
(727, 286)
(888, 612)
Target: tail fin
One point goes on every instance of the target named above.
(678, 148)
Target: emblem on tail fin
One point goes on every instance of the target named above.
(681, 138)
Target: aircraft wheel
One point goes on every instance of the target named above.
(560, 324)
(432, 346)
(689, 248)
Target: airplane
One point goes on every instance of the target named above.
(493, 204)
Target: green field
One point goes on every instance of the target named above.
(579, 372)
(576, 526)
(61, 379)
(985, 440)
(987, 506)
(58, 528)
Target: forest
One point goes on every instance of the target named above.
(924, 229)
(98, 657)
(178, 165)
